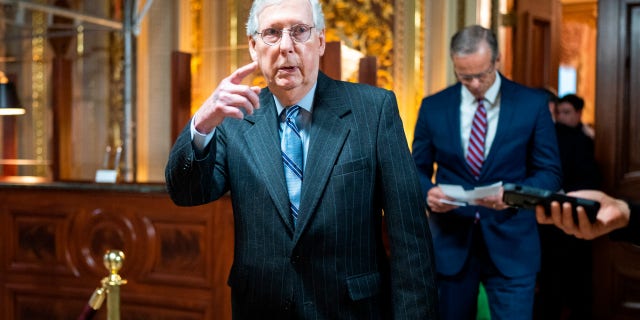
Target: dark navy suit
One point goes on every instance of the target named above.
(333, 264)
(524, 151)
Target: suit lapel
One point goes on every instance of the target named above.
(453, 121)
(453, 124)
(262, 141)
(328, 134)
(506, 118)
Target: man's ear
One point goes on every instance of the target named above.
(497, 62)
(252, 48)
(323, 42)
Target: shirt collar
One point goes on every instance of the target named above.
(306, 102)
(491, 95)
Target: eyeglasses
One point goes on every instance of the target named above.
(299, 33)
(480, 76)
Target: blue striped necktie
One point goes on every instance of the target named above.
(291, 149)
(475, 152)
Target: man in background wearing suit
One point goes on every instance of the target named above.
(512, 140)
(308, 221)
(564, 281)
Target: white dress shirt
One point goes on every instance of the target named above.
(468, 106)
(202, 140)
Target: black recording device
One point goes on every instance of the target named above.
(526, 197)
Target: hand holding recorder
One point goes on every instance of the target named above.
(521, 196)
(613, 214)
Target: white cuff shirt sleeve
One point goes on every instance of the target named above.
(200, 140)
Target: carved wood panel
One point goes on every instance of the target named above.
(52, 242)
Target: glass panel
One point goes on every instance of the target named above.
(67, 72)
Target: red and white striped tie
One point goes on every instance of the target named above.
(475, 153)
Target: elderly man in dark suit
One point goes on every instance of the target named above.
(311, 163)
(483, 130)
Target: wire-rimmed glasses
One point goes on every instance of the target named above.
(466, 78)
(299, 33)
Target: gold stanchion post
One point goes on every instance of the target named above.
(113, 260)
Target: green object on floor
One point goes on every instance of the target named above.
(483, 305)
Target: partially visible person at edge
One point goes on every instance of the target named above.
(564, 280)
(484, 242)
(569, 112)
(308, 233)
(616, 217)
(577, 152)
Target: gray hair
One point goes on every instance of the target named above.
(259, 5)
(468, 40)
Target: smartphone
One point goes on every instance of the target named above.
(526, 197)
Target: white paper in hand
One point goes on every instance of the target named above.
(458, 193)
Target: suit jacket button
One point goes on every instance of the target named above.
(295, 260)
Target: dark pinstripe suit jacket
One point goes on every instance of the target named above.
(333, 265)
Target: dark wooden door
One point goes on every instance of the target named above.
(616, 264)
(536, 43)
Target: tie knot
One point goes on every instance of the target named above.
(292, 111)
(481, 108)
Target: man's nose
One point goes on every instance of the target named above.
(475, 82)
(473, 85)
(286, 42)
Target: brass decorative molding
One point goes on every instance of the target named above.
(39, 89)
(195, 7)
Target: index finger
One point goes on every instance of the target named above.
(237, 76)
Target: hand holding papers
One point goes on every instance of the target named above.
(453, 202)
(463, 197)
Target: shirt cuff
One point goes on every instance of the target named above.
(200, 140)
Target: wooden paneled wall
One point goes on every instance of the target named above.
(53, 238)
(616, 264)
